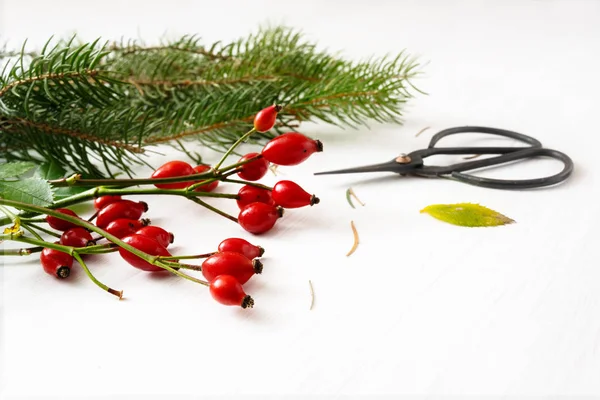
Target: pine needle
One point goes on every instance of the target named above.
(312, 295)
(421, 131)
(356, 241)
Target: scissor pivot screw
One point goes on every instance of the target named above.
(403, 159)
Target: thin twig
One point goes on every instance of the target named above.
(355, 233)
(471, 157)
(350, 192)
(61, 75)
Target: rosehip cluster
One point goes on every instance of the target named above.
(144, 246)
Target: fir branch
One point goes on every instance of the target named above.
(88, 106)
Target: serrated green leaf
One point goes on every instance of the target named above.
(50, 170)
(31, 191)
(467, 214)
(12, 169)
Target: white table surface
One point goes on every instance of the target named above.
(422, 308)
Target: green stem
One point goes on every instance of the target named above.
(239, 164)
(214, 209)
(192, 187)
(258, 185)
(181, 265)
(118, 293)
(30, 230)
(91, 227)
(205, 255)
(230, 150)
(75, 180)
(39, 228)
(16, 252)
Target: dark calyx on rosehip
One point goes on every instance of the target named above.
(61, 224)
(122, 227)
(173, 169)
(231, 263)
(148, 246)
(209, 187)
(56, 263)
(228, 291)
(290, 148)
(252, 194)
(258, 218)
(254, 170)
(121, 209)
(288, 194)
(157, 233)
(242, 246)
(103, 201)
(265, 118)
(76, 237)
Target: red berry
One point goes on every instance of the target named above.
(103, 201)
(76, 237)
(56, 262)
(252, 194)
(228, 291)
(157, 233)
(241, 246)
(148, 246)
(230, 263)
(259, 217)
(209, 187)
(171, 170)
(254, 170)
(123, 227)
(265, 118)
(288, 194)
(290, 148)
(61, 224)
(121, 209)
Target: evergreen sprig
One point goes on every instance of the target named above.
(94, 107)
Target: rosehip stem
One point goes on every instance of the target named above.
(219, 177)
(214, 209)
(233, 146)
(205, 255)
(258, 185)
(75, 180)
(91, 227)
(118, 293)
(39, 228)
(17, 252)
(239, 164)
(181, 265)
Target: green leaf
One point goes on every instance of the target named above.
(12, 169)
(50, 170)
(31, 191)
(467, 214)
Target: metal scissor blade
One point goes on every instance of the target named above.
(390, 166)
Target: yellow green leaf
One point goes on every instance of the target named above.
(467, 214)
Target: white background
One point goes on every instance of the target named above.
(422, 307)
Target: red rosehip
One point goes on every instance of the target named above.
(254, 170)
(228, 291)
(290, 148)
(122, 227)
(230, 263)
(56, 263)
(259, 217)
(171, 170)
(252, 194)
(121, 209)
(288, 194)
(103, 201)
(209, 187)
(265, 118)
(241, 246)
(76, 237)
(163, 237)
(61, 224)
(148, 246)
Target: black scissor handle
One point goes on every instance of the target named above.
(518, 183)
(484, 129)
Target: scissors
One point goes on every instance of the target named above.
(413, 163)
